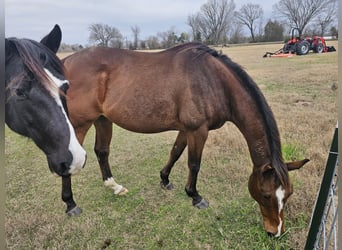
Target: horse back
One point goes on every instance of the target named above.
(146, 92)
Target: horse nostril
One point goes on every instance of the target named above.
(270, 234)
(64, 169)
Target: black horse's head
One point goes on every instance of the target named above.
(35, 101)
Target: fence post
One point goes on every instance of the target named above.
(323, 193)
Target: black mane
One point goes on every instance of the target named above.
(35, 57)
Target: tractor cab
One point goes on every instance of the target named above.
(297, 44)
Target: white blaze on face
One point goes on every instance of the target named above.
(77, 151)
(280, 194)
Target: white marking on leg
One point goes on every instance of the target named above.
(118, 189)
(77, 151)
(280, 194)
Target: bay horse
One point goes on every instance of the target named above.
(35, 106)
(190, 88)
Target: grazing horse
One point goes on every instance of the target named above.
(36, 105)
(189, 88)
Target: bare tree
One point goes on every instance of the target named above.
(104, 35)
(194, 22)
(183, 37)
(153, 42)
(236, 33)
(168, 38)
(213, 20)
(327, 17)
(300, 13)
(249, 15)
(273, 31)
(136, 32)
(216, 15)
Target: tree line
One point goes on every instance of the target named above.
(218, 22)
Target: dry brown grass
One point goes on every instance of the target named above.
(300, 93)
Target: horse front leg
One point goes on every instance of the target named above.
(67, 197)
(176, 152)
(104, 131)
(196, 140)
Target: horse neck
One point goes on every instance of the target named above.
(251, 122)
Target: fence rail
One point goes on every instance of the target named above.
(323, 226)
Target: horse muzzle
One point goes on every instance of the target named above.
(68, 165)
(78, 162)
(275, 231)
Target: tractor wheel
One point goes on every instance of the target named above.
(318, 48)
(302, 48)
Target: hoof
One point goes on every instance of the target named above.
(202, 204)
(123, 191)
(169, 186)
(74, 212)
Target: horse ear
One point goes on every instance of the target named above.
(296, 164)
(53, 39)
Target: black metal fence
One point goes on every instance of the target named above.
(323, 226)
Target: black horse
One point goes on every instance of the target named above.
(36, 106)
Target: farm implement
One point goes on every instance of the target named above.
(301, 46)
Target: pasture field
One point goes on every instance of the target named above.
(302, 93)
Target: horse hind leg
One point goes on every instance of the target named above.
(104, 131)
(176, 152)
(196, 140)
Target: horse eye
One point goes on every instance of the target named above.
(267, 196)
(21, 93)
(43, 58)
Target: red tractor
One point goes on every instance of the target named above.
(301, 46)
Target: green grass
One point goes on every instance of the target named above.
(149, 217)
(292, 152)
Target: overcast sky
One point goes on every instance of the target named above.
(35, 18)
